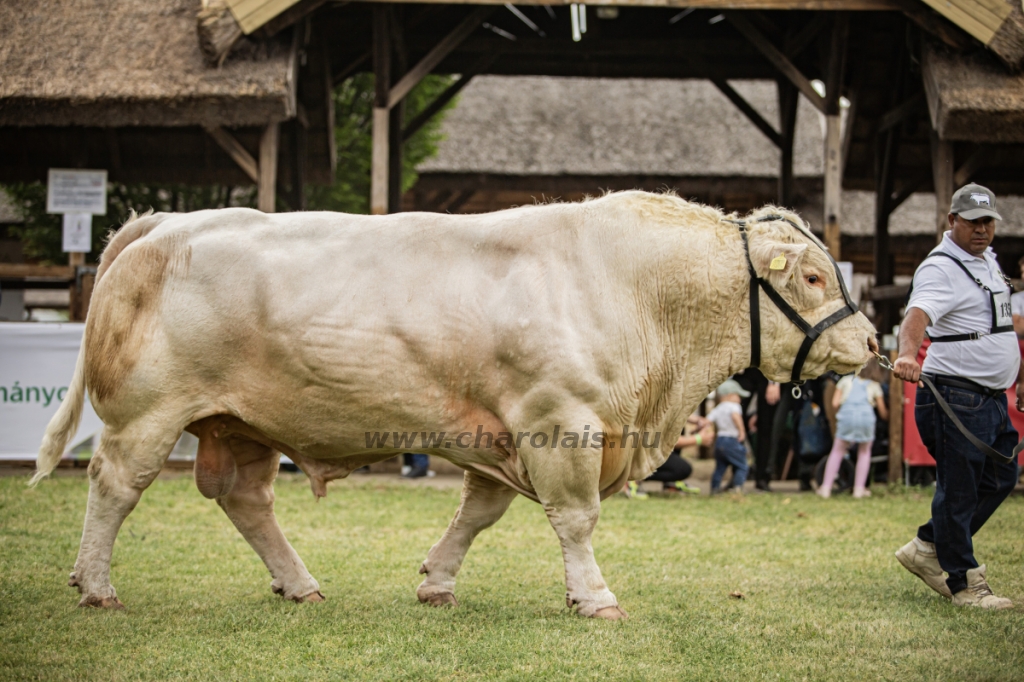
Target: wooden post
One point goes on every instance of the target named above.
(85, 294)
(788, 95)
(381, 111)
(942, 173)
(833, 135)
(396, 115)
(895, 425)
(75, 259)
(267, 186)
(379, 162)
(299, 154)
(833, 185)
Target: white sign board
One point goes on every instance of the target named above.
(36, 364)
(77, 232)
(76, 191)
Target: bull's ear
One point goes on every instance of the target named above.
(774, 260)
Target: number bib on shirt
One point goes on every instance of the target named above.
(1002, 308)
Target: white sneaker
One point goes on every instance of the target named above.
(918, 557)
(978, 593)
(406, 469)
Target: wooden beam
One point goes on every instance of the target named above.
(916, 184)
(980, 18)
(379, 162)
(833, 152)
(267, 184)
(381, 55)
(23, 270)
(449, 93)
(971, 165)
(807, 5)
(851, 120)
(290, 16)
(459, 201)
(794, 46)
(836, 68)
(346, 71)
(235, 150)
(943, 181)
(381, 117)
(888, 292)
(901, 112)
(934, 24)
(833, 185)
(748, 111)
(779, 60)
(788, 97)
(395, 116)
(299, 159)
(437, 55)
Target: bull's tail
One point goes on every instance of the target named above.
(64, 424)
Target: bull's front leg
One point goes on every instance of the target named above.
(568, 483)
(250, 506)
(483, 503)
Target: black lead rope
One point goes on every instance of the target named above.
(811, 332)
(974, 440)
(984, 448)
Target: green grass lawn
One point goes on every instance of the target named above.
(824, 598)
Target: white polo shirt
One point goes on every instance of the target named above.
(957, 305)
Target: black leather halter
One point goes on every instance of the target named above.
(811, 333)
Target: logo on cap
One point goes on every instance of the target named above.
(979, 199)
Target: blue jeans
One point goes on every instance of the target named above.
(416, 461)
(729, 452)
(969, 486)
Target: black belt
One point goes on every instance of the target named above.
(960, 382)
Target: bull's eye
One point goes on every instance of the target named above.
(812, 279)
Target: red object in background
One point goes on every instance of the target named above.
(914, 451)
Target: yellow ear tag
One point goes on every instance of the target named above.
(778, 263)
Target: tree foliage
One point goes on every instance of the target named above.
(40, 233)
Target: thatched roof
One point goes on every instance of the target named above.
(115, 63)
(972, 97)
(575, 126)
(541, 125)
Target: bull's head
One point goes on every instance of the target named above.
(797, 266)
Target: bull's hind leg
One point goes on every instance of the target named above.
(123, 466)
(250, 505)
(483, 503)
(568, 486)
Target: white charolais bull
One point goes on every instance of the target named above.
(308, 333)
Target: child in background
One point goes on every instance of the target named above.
(856, 399)
(727, 417)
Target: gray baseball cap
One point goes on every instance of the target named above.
(730, 386)
(974, 201)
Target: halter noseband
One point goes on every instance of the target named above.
(811, 333)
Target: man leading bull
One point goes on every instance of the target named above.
(961, 297)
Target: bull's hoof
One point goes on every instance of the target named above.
(439, 599)
(73, 582)
(102, 603)
(314, 597)
(611, 613)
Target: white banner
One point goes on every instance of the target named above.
(36, 364)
